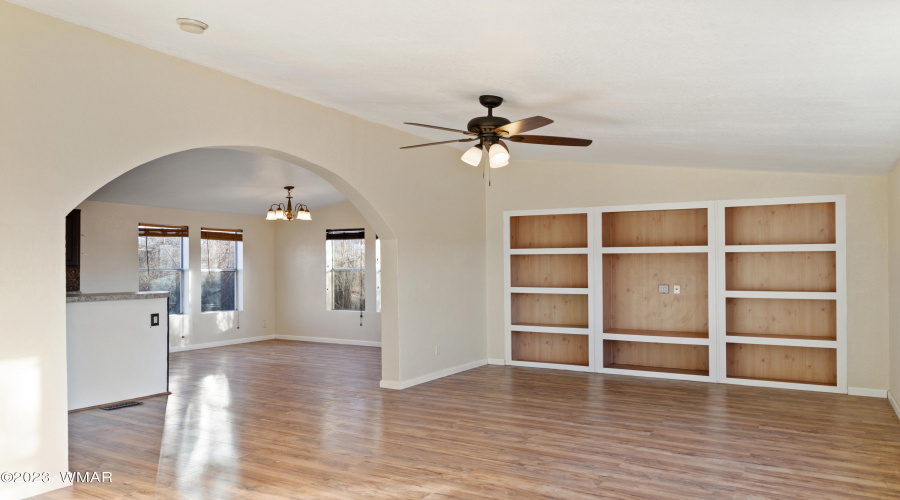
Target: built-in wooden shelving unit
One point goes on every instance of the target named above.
(782, 298)
(645, 331)
(762, 291)
(549, 299)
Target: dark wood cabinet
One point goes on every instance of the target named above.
(73, 239)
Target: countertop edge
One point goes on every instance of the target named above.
(108, 297)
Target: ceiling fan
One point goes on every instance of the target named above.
(490, 131)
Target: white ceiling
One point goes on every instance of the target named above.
(807, 85)
(217, 180)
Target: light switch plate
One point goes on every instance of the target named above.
(154, 319)
(663, 288)
(676, 289)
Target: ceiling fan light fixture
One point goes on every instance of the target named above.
(499, 153)
(192, 26)
(473, 155)
(498, 164)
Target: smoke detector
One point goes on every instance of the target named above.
(192, 25)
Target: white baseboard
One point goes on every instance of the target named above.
(894, 403)
(496, 361)
(208, 345)
(405, 384)
(28, 490)
(862, 391)
(324, 340)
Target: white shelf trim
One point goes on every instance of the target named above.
(555, 366)
(734, 339)
(743, 294)
(783, 385)
(561, 291)
(550, 329)
(655, 339)
(548, 251)
(830, 247)
(653, 374)
(672, 249)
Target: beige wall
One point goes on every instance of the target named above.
(109, 264)
(531, 185)
(80, 108)
(300, 282)
(894, 268)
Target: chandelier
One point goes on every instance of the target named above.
(280, 211)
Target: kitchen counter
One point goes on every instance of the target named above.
(105, 297)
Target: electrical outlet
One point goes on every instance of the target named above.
(154, 319)
(663, 288)
(437, 350)
(264, 324)
(676, 289)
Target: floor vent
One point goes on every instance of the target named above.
(121, 405)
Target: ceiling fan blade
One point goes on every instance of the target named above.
(550, 140)
(524, 125)
(442, 142)
(439, 128)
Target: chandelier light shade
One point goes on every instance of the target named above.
(281, 211)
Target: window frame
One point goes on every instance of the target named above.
(183, 271)
(330, 272)
(237, 270)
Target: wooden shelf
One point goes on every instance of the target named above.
(548, 325)
(549, 271)
(781, 271)
(548, 231)
(658, 333)
(556, 348)
(650, 356)
(780, 336)
(793, 364)
(782, 318)
(680, 371)
(651, 228)
(631, 298)
(800, 223)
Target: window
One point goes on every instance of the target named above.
(220, 269)
(162, 260)
(345, 266)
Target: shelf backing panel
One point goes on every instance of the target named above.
(781, 271)
(791, 224)
(549, 271)
(809, 365)
(550, 309)
(655, 228)
(631, 298)
(655, 355)
(808, 318)
(548, 231)
(557, 348)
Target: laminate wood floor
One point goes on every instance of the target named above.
(281, 419)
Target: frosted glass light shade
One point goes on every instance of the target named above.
(279, 214)
(473, 155)
(304, 215)
(499, 154)
(270, 215)
(498, 164)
